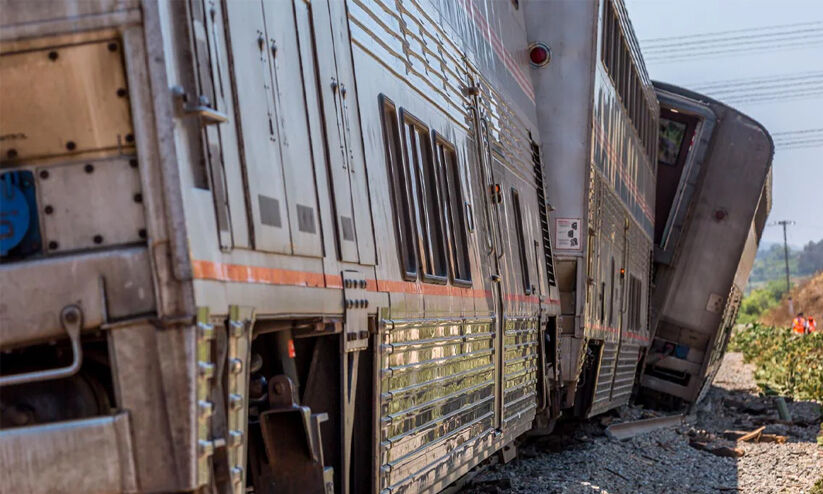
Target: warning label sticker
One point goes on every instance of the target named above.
(568, 233)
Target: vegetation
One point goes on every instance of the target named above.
(786, 363)
(817, 488)
(761, 300)
(770, 263)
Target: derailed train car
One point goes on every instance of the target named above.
(289, 246)
(713, 198)
(598, 117)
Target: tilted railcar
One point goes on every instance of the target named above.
(713, 198)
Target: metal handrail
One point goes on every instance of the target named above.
(71, 319)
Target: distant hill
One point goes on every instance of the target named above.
(770, 265)
(808, 298)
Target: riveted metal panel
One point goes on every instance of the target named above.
(64, 100)
(91, 204)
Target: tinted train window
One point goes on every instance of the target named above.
(521, 241)
(670, 140)
(635, 297)
(611, 297)
(454, 206)
(401, 190)
(417, 150)
(626, 76)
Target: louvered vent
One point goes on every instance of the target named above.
(544, 213)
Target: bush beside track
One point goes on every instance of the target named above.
(786, 364)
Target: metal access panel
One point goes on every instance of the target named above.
(64, 99)
(90, 204)
(251, 48)
(293, 129)
(342, 123)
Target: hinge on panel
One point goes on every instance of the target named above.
(355, 324)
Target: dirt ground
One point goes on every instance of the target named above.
(808, 298)
(581, 458)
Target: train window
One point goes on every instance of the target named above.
(605, 36)
(671, 139)
(615, 43)
(454, 206)
(635, 297)
(602, 302)
(611, 296)
(521, 241)
(401, 190)
(626, 77)
(420, 163)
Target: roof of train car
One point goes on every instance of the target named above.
(692, 95)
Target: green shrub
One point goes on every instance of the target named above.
(785, 363)
(759, 301)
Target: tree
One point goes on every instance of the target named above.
(810, 259)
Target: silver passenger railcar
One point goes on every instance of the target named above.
(713, 198)
(598, 115)
(295, 246)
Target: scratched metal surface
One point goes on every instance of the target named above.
(436, 392)
(602, 391)
(437, 396)
(520, 367)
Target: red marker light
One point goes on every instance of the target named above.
(539, 54)
(292, 353)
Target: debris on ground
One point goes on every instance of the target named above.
(781, 457)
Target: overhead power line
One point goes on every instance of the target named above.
(653, 41)
(750, 81)
(776, 96)
(754, 41)
(796, 132)
(799, 142)
(812, 145)
(663, 58)
(754, 91)
(762, 86)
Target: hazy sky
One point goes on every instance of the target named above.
(798, 173)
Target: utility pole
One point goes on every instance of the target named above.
(784, 224)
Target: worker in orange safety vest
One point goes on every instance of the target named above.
(811, 324)
(799, 324)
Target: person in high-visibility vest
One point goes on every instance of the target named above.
(811, 324)
(799, 324)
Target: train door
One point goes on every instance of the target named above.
(492, 250)
(622, 284)
(344, 146)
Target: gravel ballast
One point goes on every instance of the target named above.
(581, 458)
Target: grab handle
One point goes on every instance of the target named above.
(71, 318)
